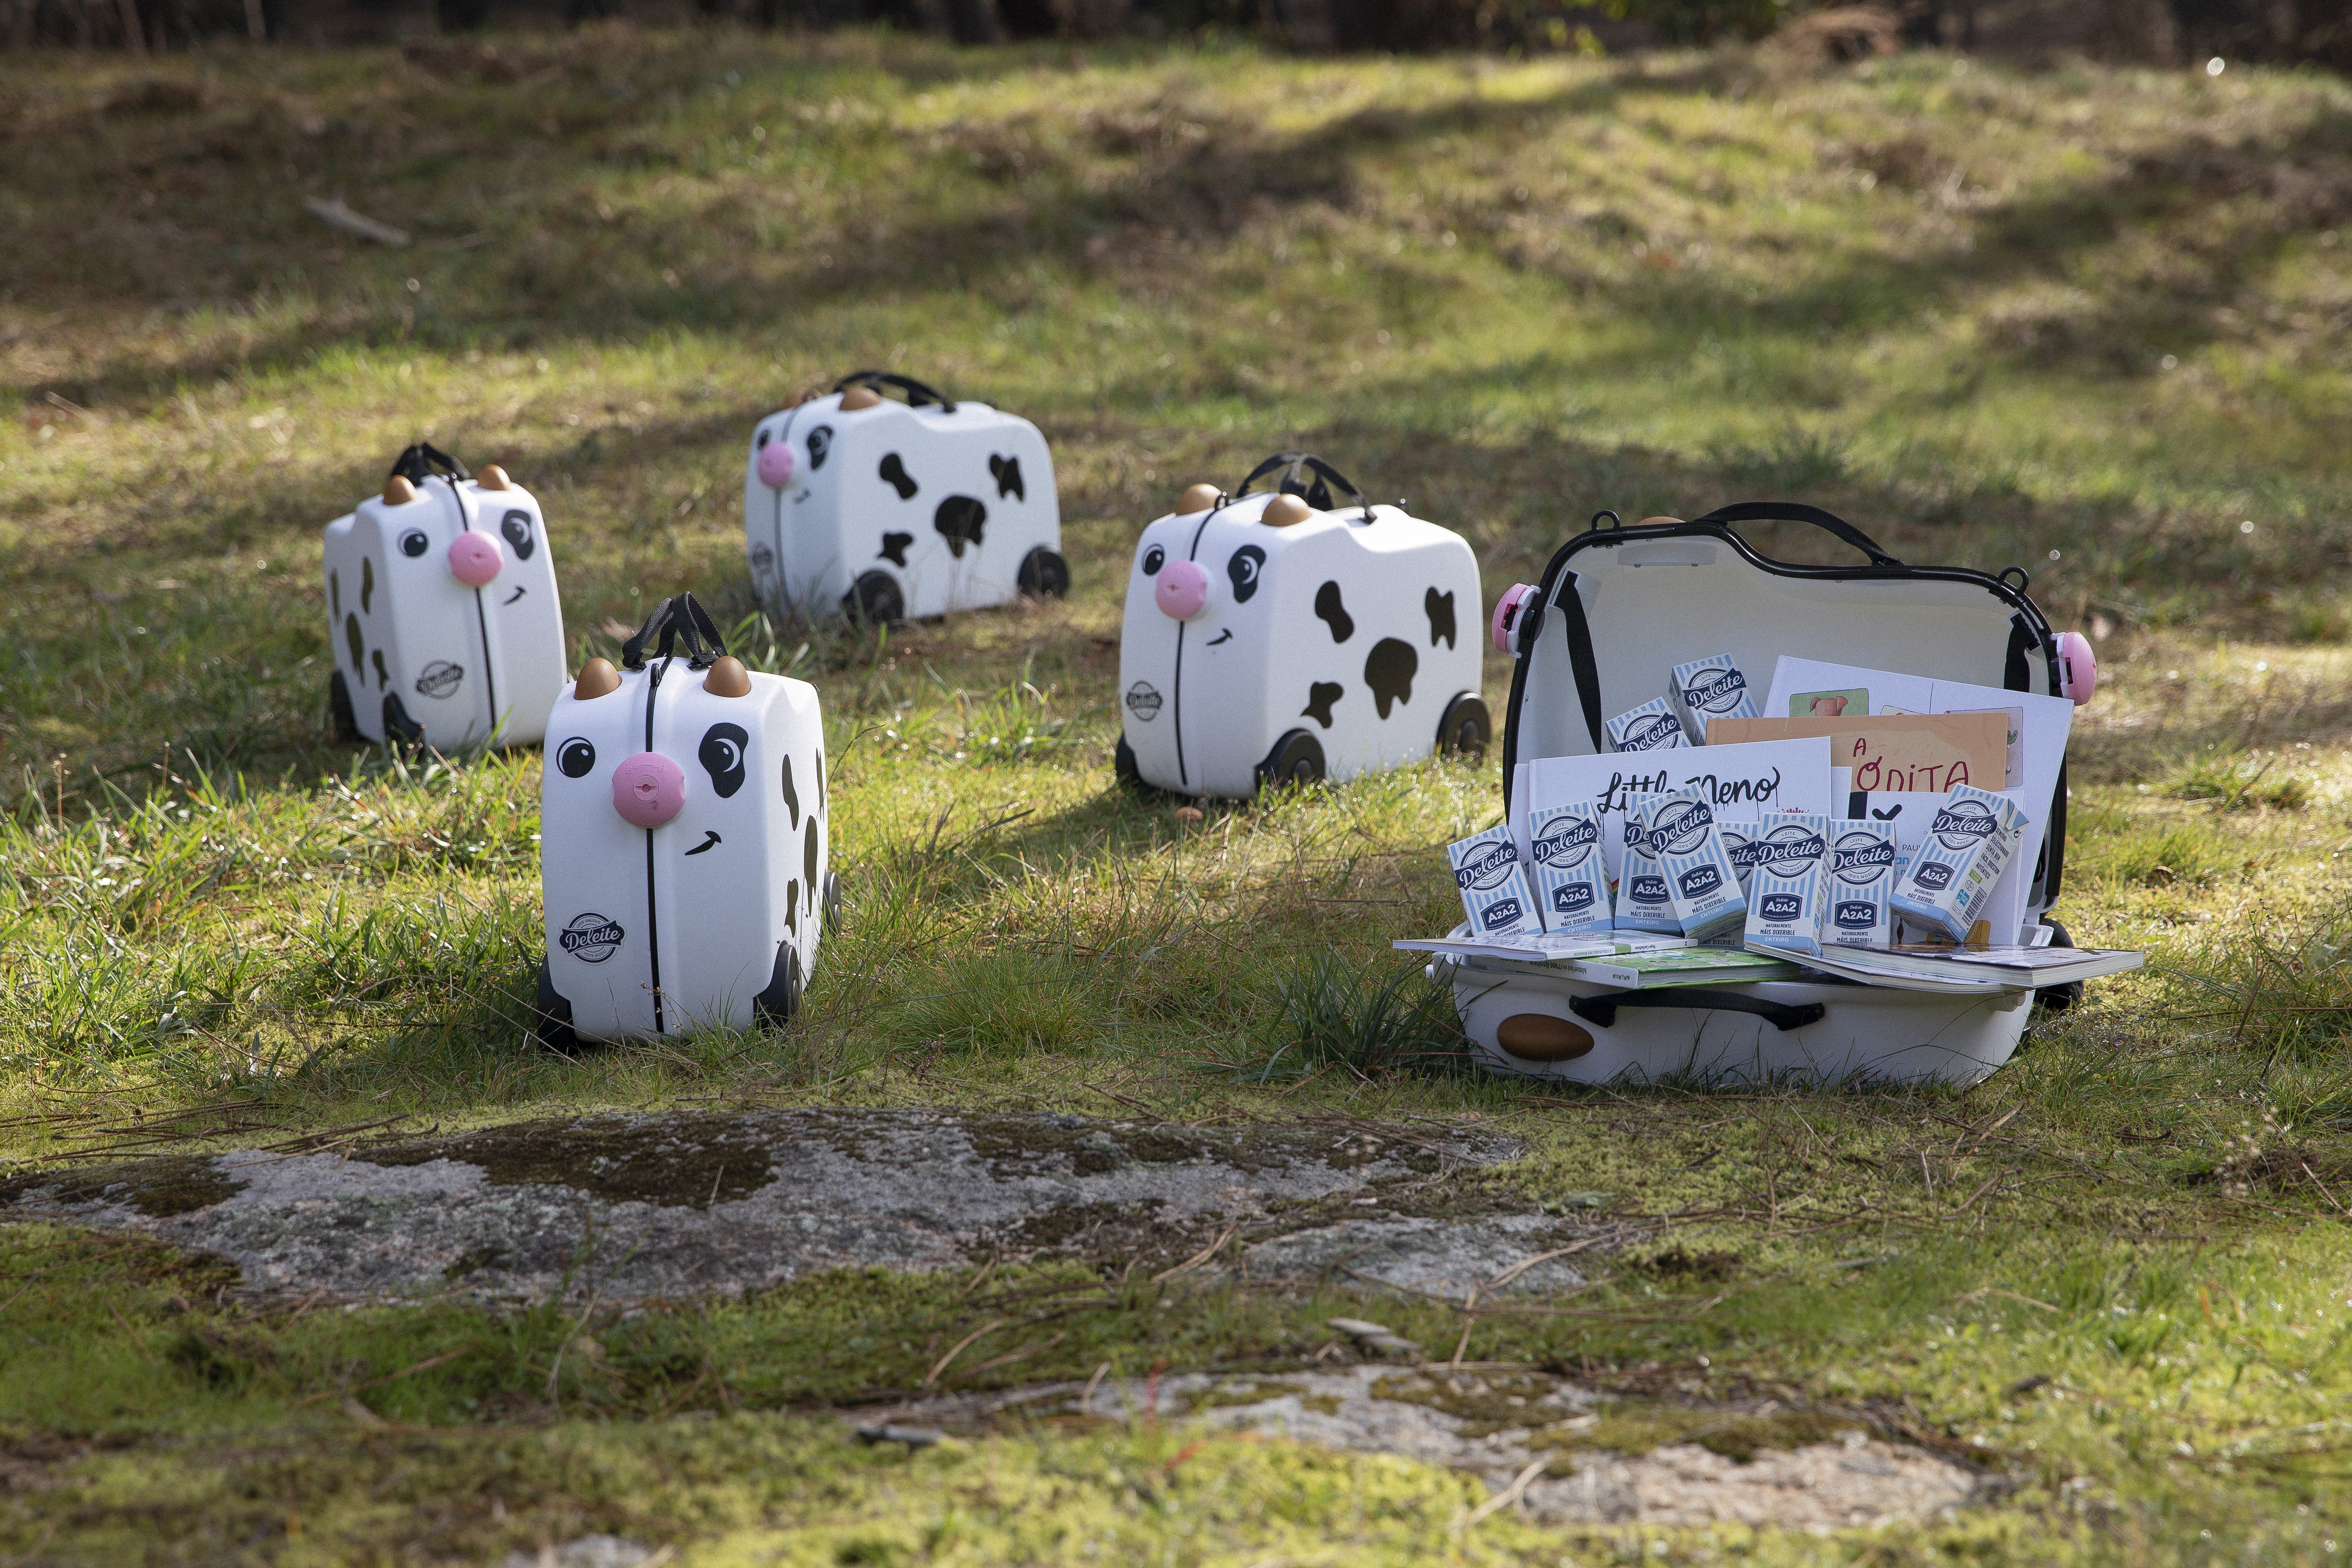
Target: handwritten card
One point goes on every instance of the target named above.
(1910, 754)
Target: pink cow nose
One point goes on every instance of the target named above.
(473, 558)
(648, 789)
(1181, 590)
(774, 464)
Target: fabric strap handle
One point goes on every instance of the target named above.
(1797, 511)
(676, 620)
(916, 393)
(423, 460)
(1307, 475)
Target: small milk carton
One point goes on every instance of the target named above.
(1701, 884)
(1713, 689)
(1784, 892)
(1952, 873)
(1571, 886)
(1739, 841)
(1494, 884)
(1652, 727)
(1855, 910)
(1642, 902)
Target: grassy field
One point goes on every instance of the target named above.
(2094, 323)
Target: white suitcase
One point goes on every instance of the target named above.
(1282, 637)
(443, 613)
(889, 510)
(682, 840)
(1617, 609)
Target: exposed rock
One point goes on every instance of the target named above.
(643, 1206)
(1424, 1257)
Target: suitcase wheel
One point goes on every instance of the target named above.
(782, 999)
(551, 1020)
(341, 713)
(1466, 729)
(1044, 574)
(1296, 758)
(876, 600)
(832, 902)
(399, 729)
(2058, 998)
(1122, 764)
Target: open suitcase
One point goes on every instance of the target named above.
(1618, 607)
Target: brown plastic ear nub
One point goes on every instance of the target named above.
(858, 397)
(728, 677)
(597, 678)
(1540, 1038)
(1284, 510)
(398, 492)
(1648, 522)
(1196, 498)
(493, 478)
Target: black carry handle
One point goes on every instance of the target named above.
(680, 619)
(1307, 475)
(916, 393)
(1797, 511)
(1602, 1010)
(423, 460)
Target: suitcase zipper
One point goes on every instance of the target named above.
(653, 907)
(481, 615)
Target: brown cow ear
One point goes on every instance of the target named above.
(1196, 498)
(728, 677)
(1648, 522)
(597, 678)
(493, 478)
(858, 397)
(1284, 510)
(398, 492)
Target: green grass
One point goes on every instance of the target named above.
(2093, 323)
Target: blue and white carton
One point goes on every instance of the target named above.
(1642, 902)
(1854, 908)
(1571, 884)
(1951, 875)
(1701, 883)
(1494, 884)
(1652, 727)
(1713, 689)
(1784, 891)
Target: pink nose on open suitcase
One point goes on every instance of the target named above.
(775, 465)
(648, 789)
(1181, 590)
(473, 558)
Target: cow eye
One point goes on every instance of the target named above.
(762, 441)
(516, 526)
(722, 756)
(414, 542)
(576, 758)
(1153, 560)
(1243, 569)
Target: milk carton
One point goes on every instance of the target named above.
(1643, 902)
(1701, 884)
(1713, 689)
(1494, 884)
(1863, 859)
(1952, 873)
(1651, 727)
(1571, 886)
(1784, 892)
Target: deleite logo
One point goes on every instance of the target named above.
(1715, 690)
(1960, 824)
(1489, 867)
(591, 938)
(1860, 857)
(439, 678)
(1567, 842)
(1143, 700)
(1650, 732)
(1680, 827)
(1788, 849)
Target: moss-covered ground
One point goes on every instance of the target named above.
(2091, 322)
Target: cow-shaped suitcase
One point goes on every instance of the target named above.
(1278, 638)
(682, 840)
(442, 610)
(891, 511)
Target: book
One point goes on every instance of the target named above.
(1631, 961)
(1973, 968)
(1538, 947)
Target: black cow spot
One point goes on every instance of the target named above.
(357, 644)
(793, 907)
(808, 852)
(722, 756)
(894, 475)
(959, 521)
(792, 795)
(1441, 616)
(1334, 614)
(1243, 570)
(367, 584)
(1007, 473)
(894, 548)
(1319, 697)
(1388, 671)
(1153, 560)
(819, 443)
(382, 676)
(335, 595)
(516, 526)
(577, 757)
(414, 544)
